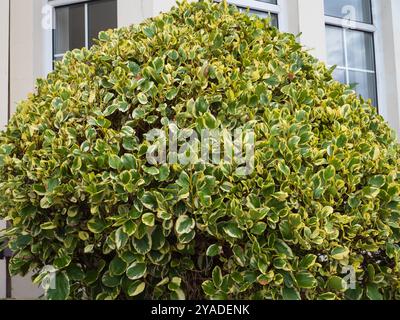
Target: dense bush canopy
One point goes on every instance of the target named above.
(317, 218)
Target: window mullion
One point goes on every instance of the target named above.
(346, 58)
(86, 25)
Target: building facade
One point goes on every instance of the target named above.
(359, 36)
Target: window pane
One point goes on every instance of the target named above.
(340, 75)
(356, 10)
(269, 1)
(69, 30)
(102, 16)
(365, 84)
(335, 46)
(360, 50)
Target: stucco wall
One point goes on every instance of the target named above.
(312, 26)
(27, 57)
(3, 106)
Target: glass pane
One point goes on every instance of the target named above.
(69, 30)
(335, 46)
(365, 84)
(263, 14)
(340, 75)
(269, 1)
(356, 10)
(360, 50)
(102, 16)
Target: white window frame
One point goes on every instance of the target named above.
(364, 27)
(61, 3)
(280, 9)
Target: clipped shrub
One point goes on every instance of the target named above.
(317, 218)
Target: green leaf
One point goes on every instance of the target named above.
(136, 288)
(142, 98)
(129, 143)
(208, 287)
(327, 296)
(148, 219)
(107, 98)
(110, 281)
(177, 295)
(210, 121)
(201, 105)
(123, 106)
(329, 173)
(377, 181)
(136, 270)
(186, 237)
(233, 231)
(158, 65)
(63, 260)
(290, 294)
(129, 228)
(163, 172)
(172, 93)
(340, 253)
(96, 225)
(354, 202)
(110, 110)
(213, 250)
(28, 211)
(149, 200)
(117, 266)
(39, 189)
(174, 284)
(153, 171)
(103, 36)
(134, 67)
(149, 32)
(284, 169)
(173, 54)
(115, 162)
(157, 238)
(306, 280)
(217, 276)
(307, 262)
(336, 283)
(48, 226)
(184, 224)
(258, 228)
(61, 288)
(373, 292)
(142, 245)
(282, 247)
(128, 161)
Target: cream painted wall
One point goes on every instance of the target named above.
(395, 26)
(30, 58)
(4, 10)
(135, 11)
(21, 50)
(311, 23)
(27, 52)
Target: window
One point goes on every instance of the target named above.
(350, 45)
(262, 8)
(76, 25)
